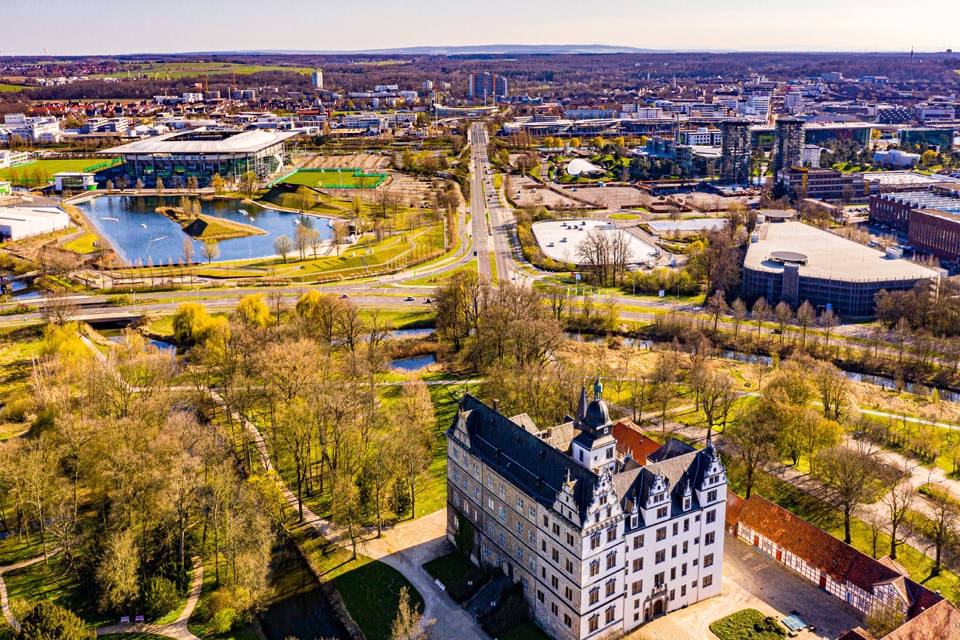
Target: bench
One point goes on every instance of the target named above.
(125, 620)
(138, 619)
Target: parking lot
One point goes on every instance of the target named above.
(751, 581)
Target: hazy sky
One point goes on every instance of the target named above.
(165, 26)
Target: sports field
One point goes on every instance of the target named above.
(188, 69)
(346, 178)
(11, 87)
(23, 172)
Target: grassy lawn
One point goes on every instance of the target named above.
(370, 589)
(449, 568)
(17, 348)
(22, 172)
(623, 216)
(525, 631)
(83, 245)
(9, 88)
(748, 624)
(54, 581)
(334, 178)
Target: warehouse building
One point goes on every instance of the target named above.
(17, 223)
(795, 262)
(200, 154)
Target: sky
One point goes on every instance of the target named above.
(110, 27)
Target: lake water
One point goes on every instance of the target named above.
(137, 232)
(414, 364)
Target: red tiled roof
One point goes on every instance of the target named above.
(866, 572)
(630, 439)
(814, 545)
(940, 622)
(734, 505)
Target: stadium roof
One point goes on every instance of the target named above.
(204, 141)
(829, 256)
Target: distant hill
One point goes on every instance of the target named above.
(488, 49)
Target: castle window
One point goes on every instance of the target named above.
(638, 542)
(708, 560)
(708, 538)
(594, 595)
(611, 534)
(594, 568)
(707, 581)
(595, 540)
(594, 623)
(711, 516)
(675, 528)
(503, 513)
(661, 534)
(686, 524)
(712, 495)
(609, 614)
(610, 587)
(611, 560)
(660, 556)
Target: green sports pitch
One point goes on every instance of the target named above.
(345, 178)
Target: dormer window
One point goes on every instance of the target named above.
(686, 504)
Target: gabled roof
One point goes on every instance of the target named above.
(529, 462)
(631, 440)
(939, 622)
(856, 634)
(814, 545)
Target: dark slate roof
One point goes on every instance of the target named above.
(529, 462)
(671, 449)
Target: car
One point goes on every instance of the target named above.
(427, 301)
(343, 295)
(408, 299)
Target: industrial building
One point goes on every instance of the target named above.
(787, 145)
(17, 223)
(894, 208)
(795, 262)
(735, 152)
(201, 154)
(935, 232)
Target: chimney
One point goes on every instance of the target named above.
(496, 405)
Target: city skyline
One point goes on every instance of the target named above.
(182, 27)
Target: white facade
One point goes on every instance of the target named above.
(39, 129)
(316, 79)
(611, 544)
(17, 223)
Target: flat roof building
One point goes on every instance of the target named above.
(17, 223)
(795, 262)
(175, 157)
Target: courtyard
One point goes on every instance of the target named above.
(751, 581)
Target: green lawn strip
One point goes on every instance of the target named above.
(442, 277)
(370, 589)
(748, 624)
(525, 631)
(83, 245)
(24, 171)
(54, 581)
(623, 216)
(493, 267)
(18, 346)
(823, 515)
(449, 568)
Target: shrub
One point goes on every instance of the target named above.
(48, 620)
(160, 597)
(223, 621)
(120, 300)
(16, 409)
(464, 588)
(748, 624)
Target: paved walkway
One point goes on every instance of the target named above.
(752, 581)
(405, 547)
(176, 629)
(4, 601)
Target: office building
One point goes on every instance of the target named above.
(316, 79)
(735, 152)
(788, 144)
(926, 138)
(40, 129)
(483, 86)
(822, 184)
(599, 542)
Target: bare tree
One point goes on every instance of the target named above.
(761, 313)
(210, 250)
(59, 307)
(941, 527)
(898, 501)
(849, 475)
(283, 246)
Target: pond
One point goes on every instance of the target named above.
(138, 233)
(414, 364)
(115, 334)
